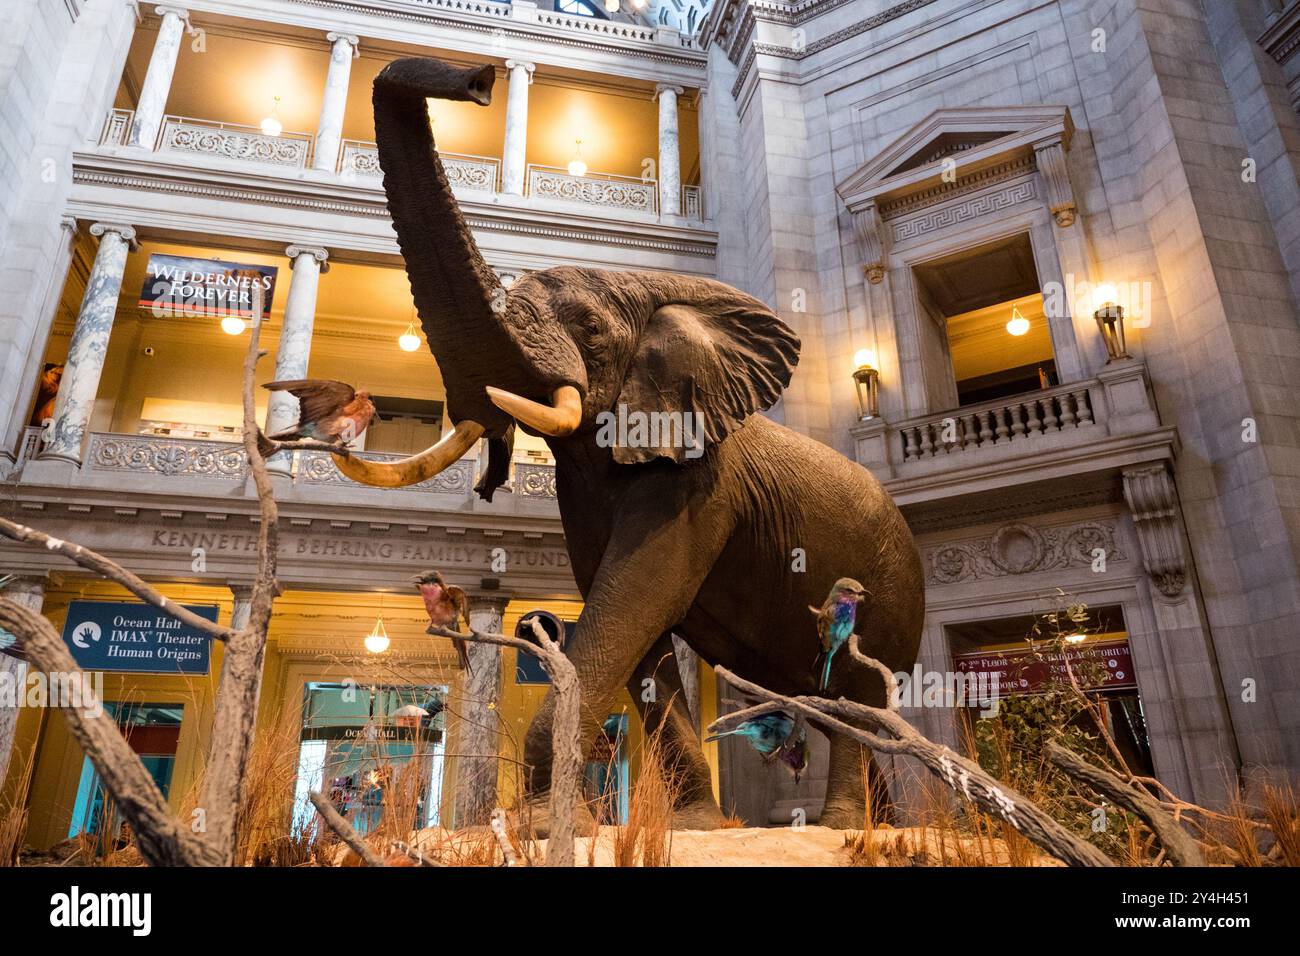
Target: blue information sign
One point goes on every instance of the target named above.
(129, 636)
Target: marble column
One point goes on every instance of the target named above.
(158, 79)
(85, 362)
(30, 593)
(329, 130)
(476, 780)
(670, 160)
(294, 350)
(513, 152)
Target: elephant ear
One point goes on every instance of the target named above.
(717, 361)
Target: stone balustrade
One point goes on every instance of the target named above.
(599, 189)
(189, 459)
(181, 134)
(483, 173)
(1019, 419)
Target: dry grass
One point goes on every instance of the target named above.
(646, 840)
(13, 816)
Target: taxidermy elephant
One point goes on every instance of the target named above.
(697, 533)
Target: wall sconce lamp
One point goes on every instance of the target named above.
(867, 377)
(1109, 316)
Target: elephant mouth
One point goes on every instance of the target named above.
(556, 420)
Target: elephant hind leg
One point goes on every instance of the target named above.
(666, 713)
(846, 789)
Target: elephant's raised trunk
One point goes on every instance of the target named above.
(459, 298)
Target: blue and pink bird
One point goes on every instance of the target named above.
(835, 620)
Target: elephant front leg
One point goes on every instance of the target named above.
(659, 553)
(657, 689)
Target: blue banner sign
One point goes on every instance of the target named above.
(129, 636)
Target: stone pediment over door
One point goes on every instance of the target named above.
(952, 152)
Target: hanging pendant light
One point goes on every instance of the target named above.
(271, 126)
(611, 6)
(1018, 324)
(409, 341)
(377, 639)
(576, 166)
(233, 325)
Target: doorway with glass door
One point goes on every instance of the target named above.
(376, 751)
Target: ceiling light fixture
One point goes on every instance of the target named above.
(409, 341)
(377, 639)
(576, 166)
(271, 126)
(1018, 324)
(233, 325)
(611, 6)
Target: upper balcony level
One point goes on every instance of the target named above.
(268, 111)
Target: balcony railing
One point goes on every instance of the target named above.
(361, 158)
(1019, 419)
(117, 127)
(692, 203)
(181, 134)
(594, 189)
(181, 459)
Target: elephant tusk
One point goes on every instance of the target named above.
(558, 419)
(417, 468)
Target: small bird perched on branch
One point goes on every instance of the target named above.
(765, 733)
(445, 604)
(328, 411)
(835, 620)
(773, 736)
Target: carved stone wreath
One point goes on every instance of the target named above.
(1021, 549)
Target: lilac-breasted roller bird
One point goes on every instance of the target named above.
(835, 620)
(328, 411)
(795, 752)
(446, 606)
(765, 733)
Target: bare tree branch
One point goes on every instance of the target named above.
(93, 561)
(344, 829)
(566, 733)
(498, 824)
(161, 839)
(235, 713)
(1181, 847)
(963, 776)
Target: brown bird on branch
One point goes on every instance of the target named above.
(445, 604)
(328, 411)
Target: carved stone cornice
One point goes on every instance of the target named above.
(1281, 40)
(1153, 501)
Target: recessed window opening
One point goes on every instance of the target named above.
(986, 321)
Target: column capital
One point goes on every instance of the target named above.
(495, 601)
(318, 253)
(351, 39)
(668, 88)
(180, 12)
(527, 67)
(125, 232)
(69, 223)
